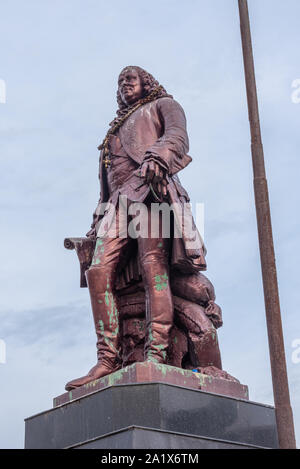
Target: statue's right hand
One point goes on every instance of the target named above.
(92, 233)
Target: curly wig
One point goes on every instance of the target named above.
(149, 84)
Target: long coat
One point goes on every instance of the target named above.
(156, 131)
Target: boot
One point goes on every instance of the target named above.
(107, 328)
(159, 310)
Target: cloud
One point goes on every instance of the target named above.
(45, 349)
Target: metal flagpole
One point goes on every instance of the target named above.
(284, 415)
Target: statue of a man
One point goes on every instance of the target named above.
(144, 149)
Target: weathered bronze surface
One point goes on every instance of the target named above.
(150, 301)
(146, 372)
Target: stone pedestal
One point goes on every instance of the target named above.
(162, 407)
(153, 373)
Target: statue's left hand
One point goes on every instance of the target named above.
(154, 174)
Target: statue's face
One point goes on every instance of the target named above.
(130, 86)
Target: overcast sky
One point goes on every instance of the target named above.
(60, 62)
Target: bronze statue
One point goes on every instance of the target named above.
(144, 289)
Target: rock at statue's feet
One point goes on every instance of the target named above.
(216, 373)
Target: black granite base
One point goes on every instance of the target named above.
(146, 438)
(153, 415)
